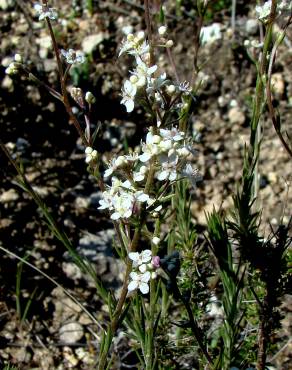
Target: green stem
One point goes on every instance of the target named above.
(119, 308)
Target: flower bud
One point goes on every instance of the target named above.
(77, 95)
(156, 139)
(90, 98)
(120, 161)
(18, 58)
(141, 35)
(162, 30)
(170, 89)
(130, 37)
(156, 261)
(169, 44)
(88, 150)
(133, 79)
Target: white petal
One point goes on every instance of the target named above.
(144, 288)
(155, 240)
(108, 172)
(129, 105)
(152, 69)
(127, 184)
(134, 276)
(115, 216)
(134, 256)
(146, 255)
(145, 277)
(162, 175)
(172, 176)
(133, 285)
(144, 157)
(143, 268)
(143, 197)
(137, 176)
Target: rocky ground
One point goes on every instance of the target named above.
(56, 333)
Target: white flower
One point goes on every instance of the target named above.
(143, 73)
(132, 157)
(123, 206)
(73, 57)
(168, 168)
(285, 5)
(135, 45)
(263, 10)
(155, 84)
(106, 202)
(140, 258)
(150, 148)
(185, 87)
(91, 154)
(139, 281)
(210, 34)
(45, 12)
(114, 164)
(192, 174)
(172, 134)
(128, 94)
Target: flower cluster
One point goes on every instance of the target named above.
(45, 12)
(91, 154)
(144, 266)
(142, 77)
(167, 151)
(263, 11)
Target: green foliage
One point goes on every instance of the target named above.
(216, 7)
(10, 367)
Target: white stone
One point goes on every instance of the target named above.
(9, 196)
(90, 42)
(71, 333)
(236, 116)
(251, 26)
(5, 4)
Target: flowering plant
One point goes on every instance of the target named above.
(146, 192)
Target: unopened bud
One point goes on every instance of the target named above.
(162, 30)
(18, 58)
(170, 89)
(141, 35)
(133, 79)
(90, 98)
(88, 150)
(120, 161)
(130, 37)
(169, 44)
(77, 95)
(156, 139)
